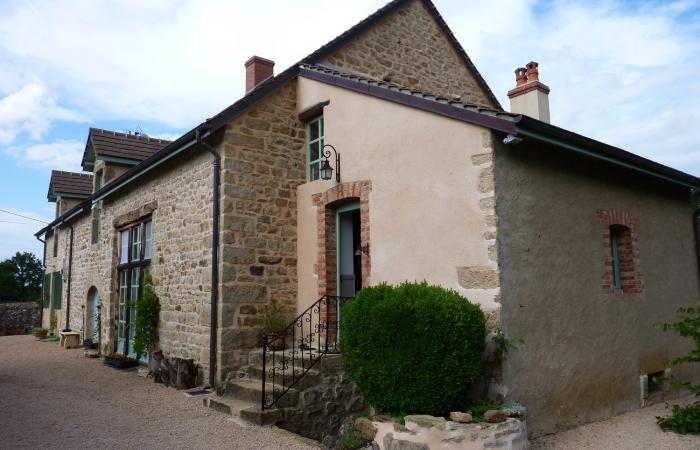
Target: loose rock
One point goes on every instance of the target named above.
(427, 421)
(461, 417)
(495, 416)
(396, 444)
(366, 429)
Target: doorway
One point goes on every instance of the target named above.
(348, 250)
(92, 316)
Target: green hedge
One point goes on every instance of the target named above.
(413, 348)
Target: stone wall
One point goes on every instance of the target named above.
(583, 347)
(411, 48)
(16, 317)
(323, 406)
(263, 163)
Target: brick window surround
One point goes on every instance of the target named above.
(628, 250)
(325, 203)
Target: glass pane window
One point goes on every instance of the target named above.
(136, 243)
(315, 147)
(135, 283)
(124, 255)
(148, 241)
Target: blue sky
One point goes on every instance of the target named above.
(622, 72)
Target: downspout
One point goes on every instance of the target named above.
(43, 279)
(70, 271)
(216, 172)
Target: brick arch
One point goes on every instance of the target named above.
(632, 281)
(325, 203)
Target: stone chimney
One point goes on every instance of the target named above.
(257, 70)
(529, 96)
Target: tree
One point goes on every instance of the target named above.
(20, 278)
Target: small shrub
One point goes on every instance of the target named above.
(350, 440)
(275, 318)
(683, 419)
(414, 348)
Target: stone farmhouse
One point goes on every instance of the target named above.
(572, 245)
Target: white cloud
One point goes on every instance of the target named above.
(32, 110)
(59, 155)
(620, 72)
(19, 237)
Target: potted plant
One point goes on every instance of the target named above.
(39, 333)
(53, 323)
(120, 361)
(274, 319)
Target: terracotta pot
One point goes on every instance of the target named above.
(39, 334)
(275, 342)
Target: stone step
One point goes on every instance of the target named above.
(251, 391)
(226, 405)
(254, 415)
(286, 377)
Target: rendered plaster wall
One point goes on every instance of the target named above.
(584, 349)
(430, 205)
(410, 47)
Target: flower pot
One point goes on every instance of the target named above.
(276, 342)
(121, 363)
(40, 334)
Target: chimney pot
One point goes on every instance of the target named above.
(529, 97)
(257, 70)
(533, 73)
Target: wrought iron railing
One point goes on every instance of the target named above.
(288, 355)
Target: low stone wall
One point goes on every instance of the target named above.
(323, 406)
(433, 433)
(16, 317)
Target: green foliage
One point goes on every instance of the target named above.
(274, 318)
(413, 348)
(683, 419)
(350, 440)
(400, 419)
(53, 322)
(147, 319)
(20, 278)
(504, 345)
(687, 325)
(477, 410)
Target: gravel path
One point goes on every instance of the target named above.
(56, 398)
(635, 430)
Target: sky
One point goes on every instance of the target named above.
(623, 72)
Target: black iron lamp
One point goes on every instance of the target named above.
(326, 171)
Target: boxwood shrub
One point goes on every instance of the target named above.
(412, 348)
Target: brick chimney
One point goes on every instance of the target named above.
(257, 70)
(529, 96)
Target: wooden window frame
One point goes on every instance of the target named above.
(142, 264)
(319, 143)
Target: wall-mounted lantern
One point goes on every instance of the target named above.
(326, 171)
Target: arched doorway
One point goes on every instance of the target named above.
(92, 316)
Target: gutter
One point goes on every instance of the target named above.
(549, 134)
(214, 303)
(70, 273)
(43, 279)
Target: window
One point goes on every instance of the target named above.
(134, 264)
(314, 132)
(621, 255)
(55, 243)
(95, 236)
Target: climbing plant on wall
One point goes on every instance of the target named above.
(147, 319)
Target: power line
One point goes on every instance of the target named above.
(20, 215)
(19, 223)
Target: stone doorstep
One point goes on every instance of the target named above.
(251, 391)
(311, 378)
(246, 411)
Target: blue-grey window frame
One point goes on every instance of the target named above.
(319, 143)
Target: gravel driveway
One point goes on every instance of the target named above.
(56, 398)
(635, 430)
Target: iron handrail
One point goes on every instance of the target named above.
(312, 334)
